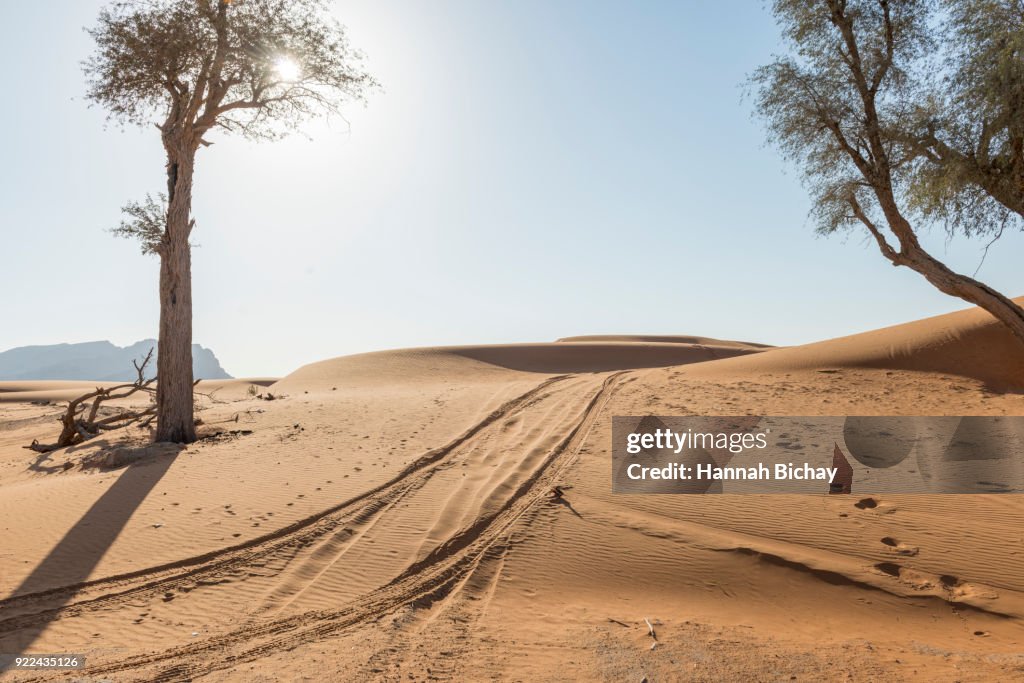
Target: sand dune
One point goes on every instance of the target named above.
(664, 339)
(485, 361)
(389, 516)
(969, 343)
(46, 390)
(56, 390)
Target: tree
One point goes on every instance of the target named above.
(846, 104)
(257, 68)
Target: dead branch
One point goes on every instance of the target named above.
(75, 428)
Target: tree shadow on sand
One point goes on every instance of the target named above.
(58, 577)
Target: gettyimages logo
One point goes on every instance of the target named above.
(837, 455)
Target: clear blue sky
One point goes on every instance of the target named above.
(533, 169)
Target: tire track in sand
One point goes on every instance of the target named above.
(229, 563)
(420, 585)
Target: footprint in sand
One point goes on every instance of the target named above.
(899, 548)
(889, 568)
(950, 581)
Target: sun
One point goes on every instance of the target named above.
(287, 68)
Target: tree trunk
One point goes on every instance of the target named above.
(175, 420)
(946, 280)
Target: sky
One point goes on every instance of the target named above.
(529, 170)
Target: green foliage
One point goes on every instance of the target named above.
(909, 107)
(145, 221)
(970, 140)
(818, 100)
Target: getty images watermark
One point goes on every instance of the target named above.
(752, 454)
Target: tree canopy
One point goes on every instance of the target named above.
(254, 67)
(830, 103)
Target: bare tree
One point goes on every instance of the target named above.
(257, 68)
(845, 104)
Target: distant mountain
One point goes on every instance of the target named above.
(99, 360)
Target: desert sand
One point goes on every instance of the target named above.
(388, 516)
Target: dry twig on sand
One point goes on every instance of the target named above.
(650, 629)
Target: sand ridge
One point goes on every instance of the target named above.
(968, 343)
(664, 339)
